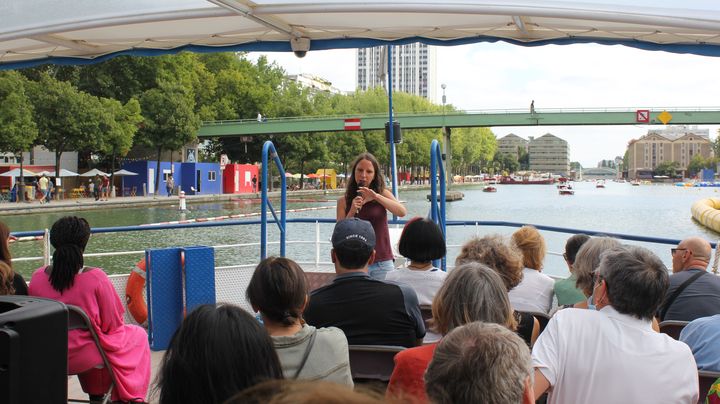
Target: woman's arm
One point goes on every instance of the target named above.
(340, 211)
(386, 199)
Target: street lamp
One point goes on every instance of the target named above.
(446, 140)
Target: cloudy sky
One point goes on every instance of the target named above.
(503, 76)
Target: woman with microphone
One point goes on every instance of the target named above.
(367, 198)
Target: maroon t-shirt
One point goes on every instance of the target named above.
(376, 214)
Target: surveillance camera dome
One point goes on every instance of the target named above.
(300, 46)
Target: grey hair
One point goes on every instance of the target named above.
(479, 363)
(588, 259)
(636, 279)
(472, 292)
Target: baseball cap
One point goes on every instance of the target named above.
(353, 232)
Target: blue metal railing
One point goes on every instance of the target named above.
(437, 214)
(268, 148)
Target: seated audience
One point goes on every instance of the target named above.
(703, 337)
(18, 283)
(278, 291)
(421, 242)
(480, 363)
(472, 292)
(369, 311)
(304, 392)
(565, 290)
(497, 254)
(216, 352)
(534, 293)
(699, 291)
(612, 354)
(586, 262)
(69, 281)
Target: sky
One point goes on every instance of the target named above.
(503, 76)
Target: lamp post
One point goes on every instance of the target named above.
(447, 161)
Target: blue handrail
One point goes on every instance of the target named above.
(437, 217)
(268, 148)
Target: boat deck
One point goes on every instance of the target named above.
(76, 392)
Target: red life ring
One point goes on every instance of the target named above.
(134, 293)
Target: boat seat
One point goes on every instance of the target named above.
(78, 320)
(372, 362)
(706, 379)
(426, 312)
(542, 318)
(672, 327)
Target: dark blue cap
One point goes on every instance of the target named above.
(353, 231)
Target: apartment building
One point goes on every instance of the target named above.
(414, 69)
(549, 153)
(510, 143)
(676, 143)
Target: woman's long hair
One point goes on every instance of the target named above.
(217, 352)
(377, 184)
(69, 236)
(4, 247)
(6, 279)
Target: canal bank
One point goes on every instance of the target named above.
(75, 204)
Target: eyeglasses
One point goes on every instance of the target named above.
(673, 250)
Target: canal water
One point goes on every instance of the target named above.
(647, 210)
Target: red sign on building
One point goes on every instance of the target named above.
(352, 124)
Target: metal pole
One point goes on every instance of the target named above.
(393, 162)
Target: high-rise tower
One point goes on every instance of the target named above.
(414, 68)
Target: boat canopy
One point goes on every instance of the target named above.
(89, 31)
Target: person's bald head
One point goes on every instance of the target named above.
(692, 252)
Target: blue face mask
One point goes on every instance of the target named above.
(590, 302)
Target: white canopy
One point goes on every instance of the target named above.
(93, 173)
(15, 172)
(63, 173)
(120, 173)
(88, 31)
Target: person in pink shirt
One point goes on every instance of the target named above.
(69, 281)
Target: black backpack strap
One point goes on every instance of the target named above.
(306, 354)
(676, 293)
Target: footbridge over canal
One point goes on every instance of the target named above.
(540, 117)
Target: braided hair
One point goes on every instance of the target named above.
(69, 236)
(278, 290)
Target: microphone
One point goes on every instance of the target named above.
(360, 184)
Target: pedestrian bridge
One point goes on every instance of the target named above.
(488, 118)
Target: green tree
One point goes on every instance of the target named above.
(17, 127)
(305, 149)
(668, 168)
(119, 127)
(170, 120)
(523, 158)
(67, 119)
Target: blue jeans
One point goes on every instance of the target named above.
(378, 270)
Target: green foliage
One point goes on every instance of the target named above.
(698, 162)
(668, 168)
(17, 127)
(170, 120)
(67, 119)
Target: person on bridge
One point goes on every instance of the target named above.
(367, 198)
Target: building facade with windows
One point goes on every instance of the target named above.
(549, 153)
(414, 69)
(676, 143)
(509, 144)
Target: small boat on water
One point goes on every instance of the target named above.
(635, 183)
(489, 188)
(527, 180)
(600, 184)
(566, 190)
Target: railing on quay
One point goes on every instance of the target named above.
(317, 241)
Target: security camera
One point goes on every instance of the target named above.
(300, 46)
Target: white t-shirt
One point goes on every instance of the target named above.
(603, 356)
(534, 293)
(426, 283)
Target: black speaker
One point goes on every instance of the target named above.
(33, 350)
(397, 132)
